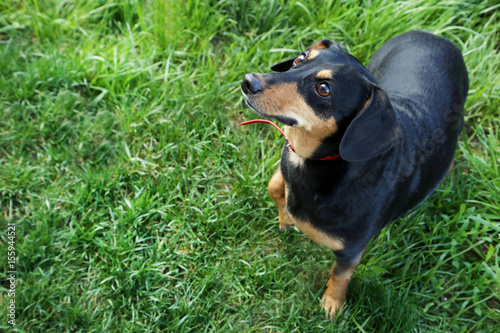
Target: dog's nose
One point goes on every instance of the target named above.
(251, 84)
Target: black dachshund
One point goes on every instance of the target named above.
(366, 145)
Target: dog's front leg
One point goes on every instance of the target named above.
(336, 288)
(277, 191)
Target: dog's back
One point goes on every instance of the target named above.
(426, 80)
(419, 63)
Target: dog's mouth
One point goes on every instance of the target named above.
(282, 119)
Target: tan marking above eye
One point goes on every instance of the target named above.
(325, 74)
(313, 54)
(314, 50)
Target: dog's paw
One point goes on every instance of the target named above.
(285, 227)
(331, 305)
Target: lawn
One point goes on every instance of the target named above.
(140, 205)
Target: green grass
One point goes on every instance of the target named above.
(140, 205)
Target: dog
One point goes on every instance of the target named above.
(366, 145)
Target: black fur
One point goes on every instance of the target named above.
(394, 153)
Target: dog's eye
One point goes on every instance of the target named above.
(323, 89)
(300, 58)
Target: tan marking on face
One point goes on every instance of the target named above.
(325, 74)
(313, 54)
(306, 139)
(314, 50)
(285, 100)
(277, 100)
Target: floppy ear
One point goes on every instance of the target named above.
(373, 131)
(283, 66)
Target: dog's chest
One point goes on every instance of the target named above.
(309, 196)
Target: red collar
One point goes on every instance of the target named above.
(288, 145)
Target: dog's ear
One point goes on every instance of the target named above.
(283, 66)
(373, 131)
(328, 44)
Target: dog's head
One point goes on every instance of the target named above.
(328, 102)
